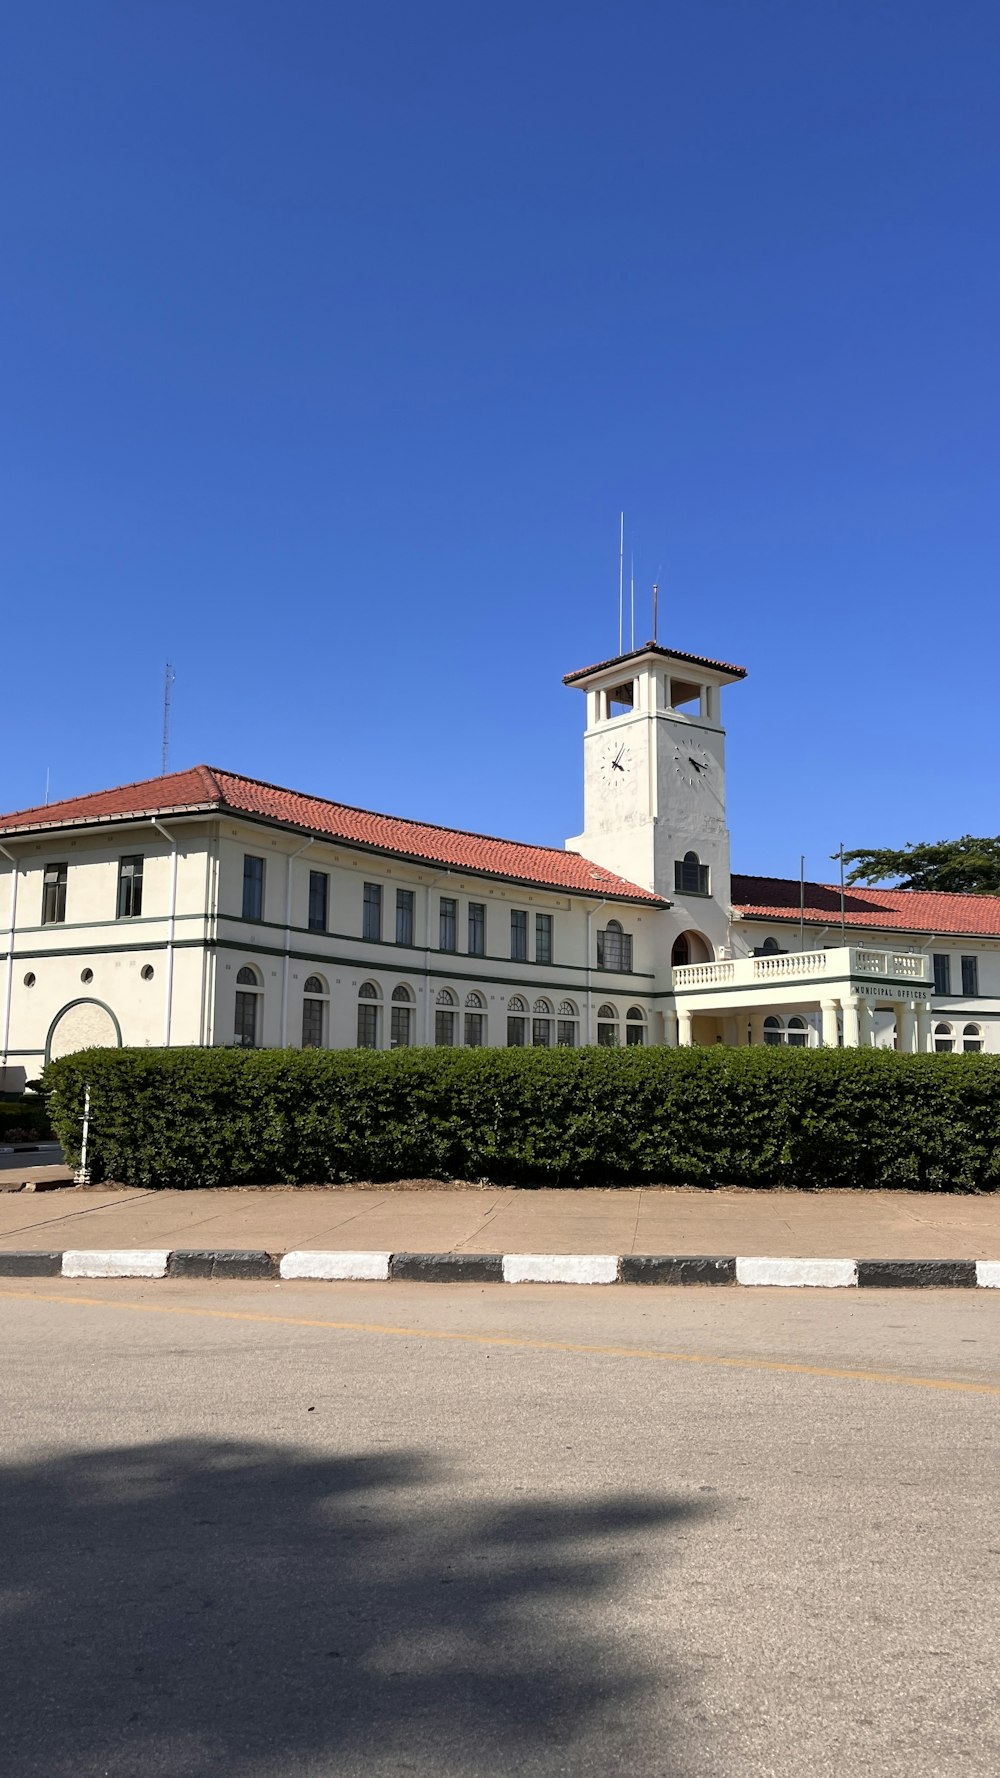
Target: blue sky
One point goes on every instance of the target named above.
(335, 338)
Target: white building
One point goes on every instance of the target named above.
(206, 908)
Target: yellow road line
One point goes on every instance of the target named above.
(769, 1365)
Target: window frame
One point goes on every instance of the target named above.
(322, 924)
(519, 935)
(402, 1007)
(616, 955)
(371, 913)
(691, 877)
(476, 929)
(544, 936)
(941, 963)
(253, 886)
(54, 914)
(249, 999)
(405, 908)
(448, 923)
(315, 1002)
(970, 977)
(369, 1014)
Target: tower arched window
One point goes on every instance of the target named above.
(690, 875)
(249, 1007)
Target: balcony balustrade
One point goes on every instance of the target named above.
(910, 970)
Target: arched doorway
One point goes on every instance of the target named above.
(690, 947)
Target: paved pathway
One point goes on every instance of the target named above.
(876, 1225)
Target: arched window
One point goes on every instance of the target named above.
(542, 1028)
(797, 1033)
(972, 1039)
(444, 1017)
(517, 1024)
(401, 1018)
(249, 1001)
(944, 1041)
(607, 1027)
(567, 1024)
(793, 1031)
(680, 956)
(614, 947)
(635, 1026)
(369, 1013)
(773, 1031)
(690, 875)
(475, 1020)
(314, 1005)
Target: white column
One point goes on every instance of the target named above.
(925, 1039)
(852, 1023)
(684, 1029)
(866, 1023)
(830, 1034)
(905, 1027)
(756, 1027)
(670, 1029)
(731, 1033)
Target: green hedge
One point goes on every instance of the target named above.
(24, 1119)
(750, 1117)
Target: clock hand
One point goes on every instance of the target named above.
(616, 765)
(694, 762)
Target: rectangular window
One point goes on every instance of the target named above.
(518, 935)
(517, 1032)
(319, 900)
(447, 924)
(401, 1027)
(371, 925)
(367, 1026)
(444, 1028)
(475, 1030)
(54, 895)
(970, 976)
(942, 972)
(129, 887)
(246, 1019)
(566, 1033)
(404, 916)
(477, 929)
(312, 1024)
(543, 938)
(541, 1033)
(253, 888)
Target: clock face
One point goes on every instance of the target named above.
(693, 766)
(616, 765)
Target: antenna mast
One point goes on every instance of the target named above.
(621, 581)
(168, 679)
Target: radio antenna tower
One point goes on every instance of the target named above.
(168, 679)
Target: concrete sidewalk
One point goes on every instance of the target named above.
(877, 1225)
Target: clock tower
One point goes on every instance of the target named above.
(654, 786)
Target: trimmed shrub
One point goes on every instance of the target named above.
(750, 1117)
(24, 1120)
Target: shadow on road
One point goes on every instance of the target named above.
(192, 1608)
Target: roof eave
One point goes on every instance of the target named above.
(116, 818)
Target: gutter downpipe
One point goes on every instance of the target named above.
(288, 938)
(9, 988)
(168, 1011)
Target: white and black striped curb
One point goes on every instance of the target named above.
(500, 1268)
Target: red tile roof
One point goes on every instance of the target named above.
(893, 910)
(673, 654)
(208, 789)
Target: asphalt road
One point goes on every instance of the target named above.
(273, 1530)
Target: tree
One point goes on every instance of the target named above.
(968, 866)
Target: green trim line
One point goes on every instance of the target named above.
(129, 920)
(81, 1000)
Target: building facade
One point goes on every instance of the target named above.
(207, 908)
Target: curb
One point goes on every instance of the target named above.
(503, 1268)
